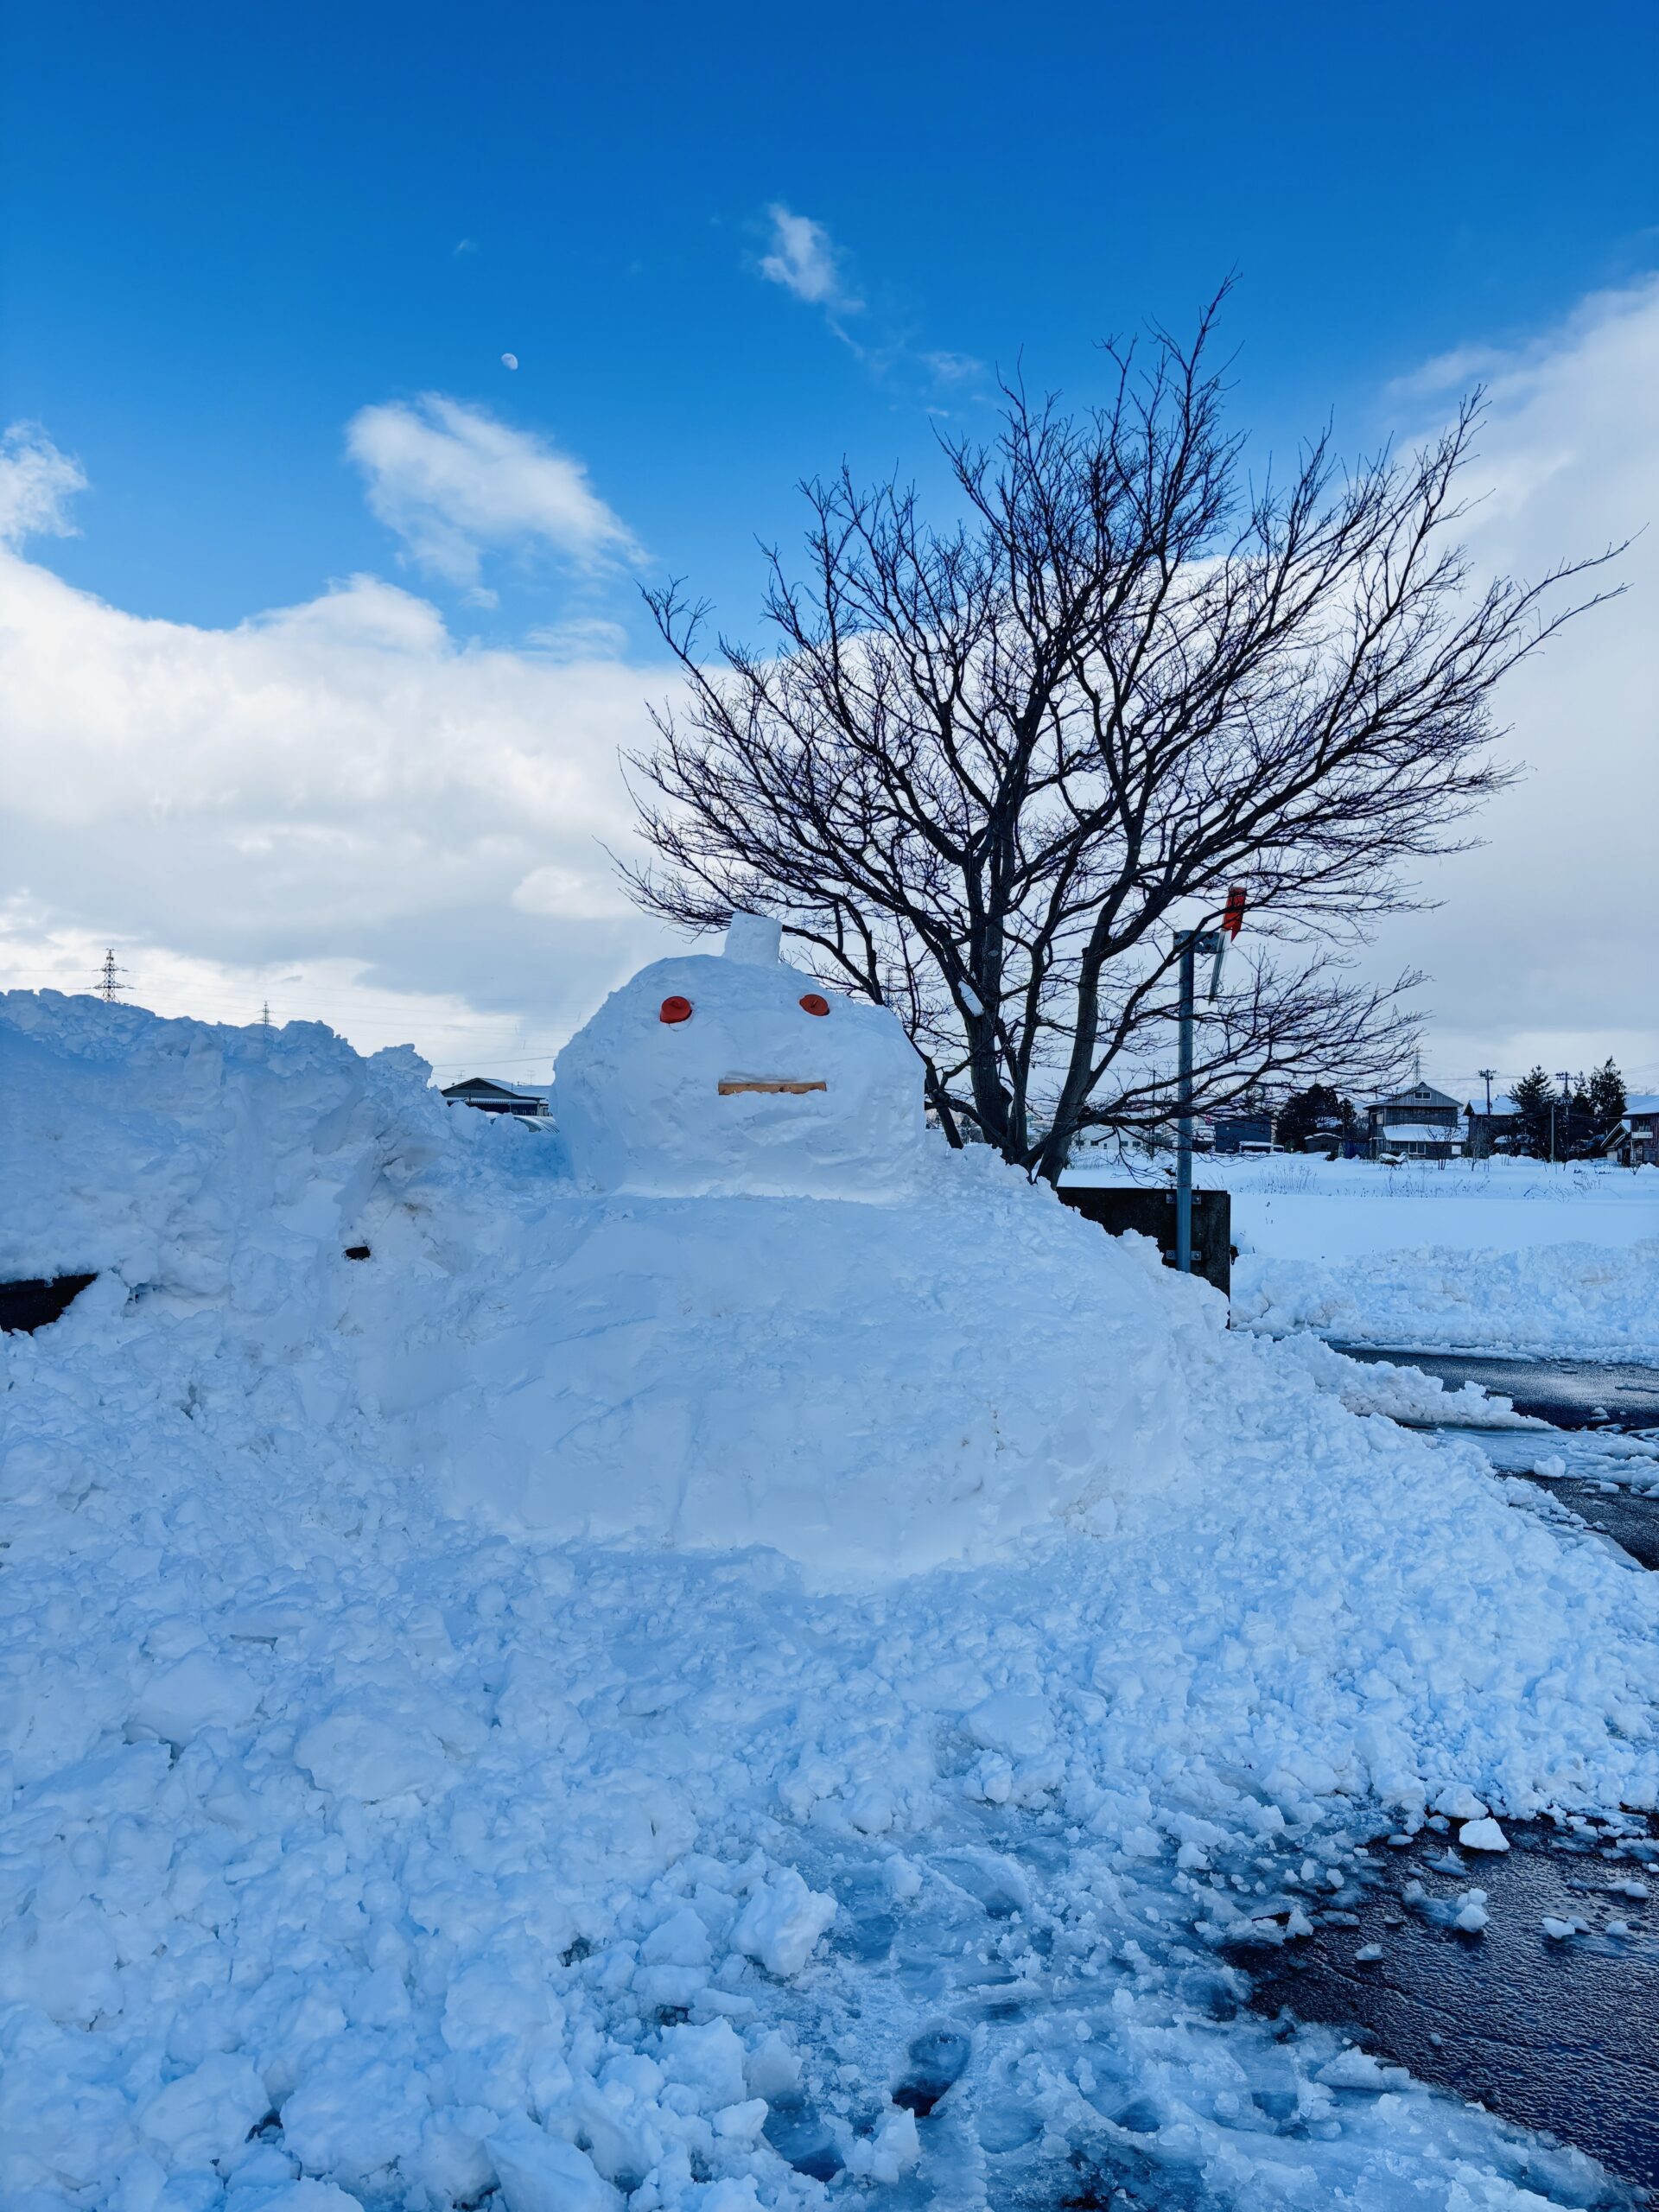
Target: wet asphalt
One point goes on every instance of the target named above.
(1567, 1392)
(1556, 2033)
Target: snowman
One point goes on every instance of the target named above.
(727, 1075)
(706, 1345)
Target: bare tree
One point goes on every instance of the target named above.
(986, 772)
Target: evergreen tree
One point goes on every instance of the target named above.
(1306, 1112)
(1606, 1096)
(1534, 1100)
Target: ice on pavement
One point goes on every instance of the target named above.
(832, 1768)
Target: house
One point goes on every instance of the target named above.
(1493, 1129)
(528, 1100)
(1636, 1140)
(1244, 1132)
(1417, 1123)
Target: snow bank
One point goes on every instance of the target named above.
(355, 1851)
(1588, 1300)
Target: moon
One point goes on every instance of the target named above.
(509, 360)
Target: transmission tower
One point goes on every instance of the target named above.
(108, 988)
(264, 1014)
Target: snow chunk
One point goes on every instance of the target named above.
(305, 2196)
(198, 1691)
(891, 2151)
(1356, 2070)
(781, 1923)
(741, 2123)
(371, 1752)
(205, 2115)
(538, 2172)
(1558, 1930)
(1460, 1803)
(353, 2113)
(1009, 1722)
(1483, 1835)
(680, 1941)
(707, 2059)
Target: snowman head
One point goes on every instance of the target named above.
(721, 1076)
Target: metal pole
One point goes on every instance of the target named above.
(1184, 1107)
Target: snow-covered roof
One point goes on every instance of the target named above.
(1418, 1133)
(1501, 1104)
(1642, 1102)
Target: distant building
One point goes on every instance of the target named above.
(1244, 1132)
(1493, 1129)
(1638, 1141)
(1418, 1123)
(527, 1099)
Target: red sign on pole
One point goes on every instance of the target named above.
(1232, 920)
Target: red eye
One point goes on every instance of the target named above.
(814, 1004)
(675, 1009)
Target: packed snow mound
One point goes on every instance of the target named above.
(869, 1389)
(355, 1853)
(1575, 1299)
(201, 1162)
(715, 1077)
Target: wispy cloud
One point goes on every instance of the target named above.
(37, 481)
(806, 261)
(803, 259)
(453, 481)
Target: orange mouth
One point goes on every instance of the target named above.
(732, 1086)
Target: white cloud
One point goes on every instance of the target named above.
(36, 485)
(452, 480)
(1543, 948)
(805, 261)
(332, 805)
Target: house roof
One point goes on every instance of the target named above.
(1420, 1094)
(1642, 1102)
(1418, 1133)
(1502, 1105)
(493, 1087)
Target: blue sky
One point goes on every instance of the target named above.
(233, 228)
(258, 270)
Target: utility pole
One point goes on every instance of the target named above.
(1486, 1075)
(1190, 943)
(108, 989)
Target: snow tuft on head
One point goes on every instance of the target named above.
(756, 938)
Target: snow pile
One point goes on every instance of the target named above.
(1405, 1394)
(352, 1852)
(1590, 1301)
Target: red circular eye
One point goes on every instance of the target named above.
(675, 1009)
(814, 1004)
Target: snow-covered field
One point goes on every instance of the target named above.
(1492, 1255)
(602, 1693)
